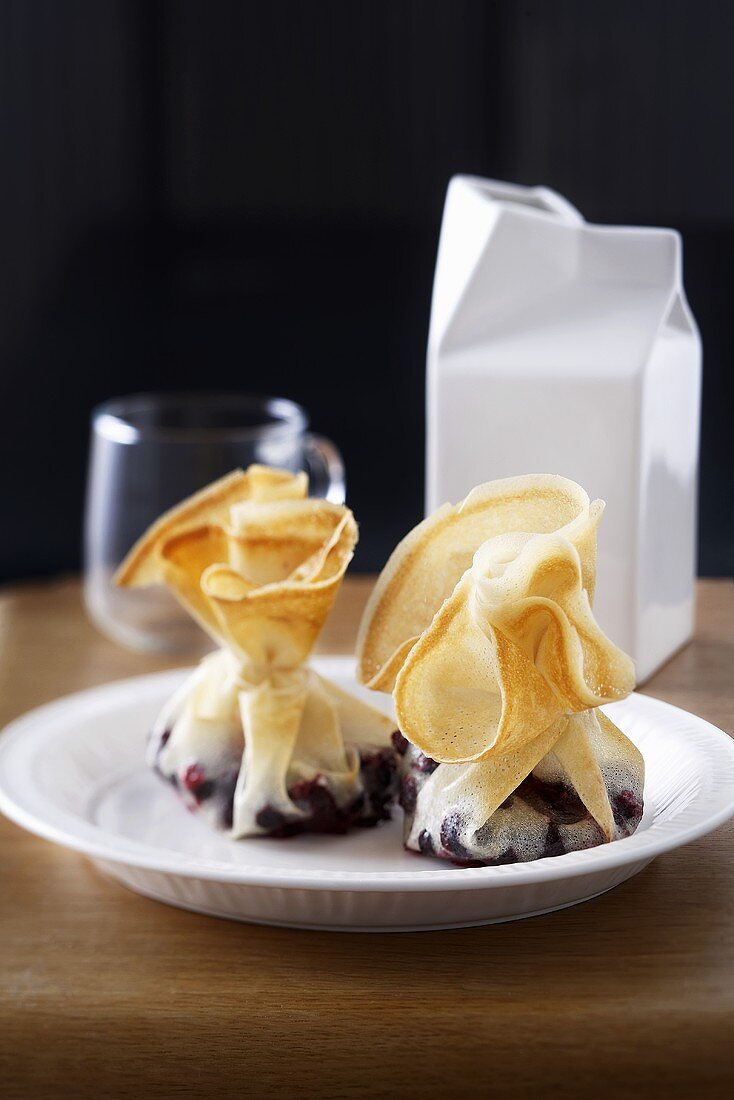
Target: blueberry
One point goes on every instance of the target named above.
(379, 779)
(425, 764)
(399, 743)
(269, 818)
(555, 801)
(451, 830)
(378, 771)
(205, 790)
(627, 810)
(408, 794)
(508, 856)
(554, 845)
(315, 799)
(425, 843)
(193, 777)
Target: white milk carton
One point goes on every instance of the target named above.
(556, 346)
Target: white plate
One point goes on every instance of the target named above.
(73, 772)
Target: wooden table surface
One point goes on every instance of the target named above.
(106, 993)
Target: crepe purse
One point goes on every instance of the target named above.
(254, 740)
(481, 625)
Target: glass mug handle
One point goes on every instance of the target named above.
(325, 468)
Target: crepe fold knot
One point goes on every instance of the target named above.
(482, 626)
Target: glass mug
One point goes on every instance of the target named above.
(150, 451)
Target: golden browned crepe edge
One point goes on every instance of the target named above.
(540, 710)
(143, 565)
(249, 619)
(378, 606)
(379, 671)
(222, 583)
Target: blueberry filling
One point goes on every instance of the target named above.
(379, 780)
(553, 845)
(425, 764)
(627, 810)
(399, 743)
(451, 829)
(317, 802)
(425, 843)
(194, 780)
(319, 810)
(557, 803)
(269, 818)
(553, 800)
(408, 794)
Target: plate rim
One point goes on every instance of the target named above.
(98, 843)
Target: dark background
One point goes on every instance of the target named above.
(248, 195)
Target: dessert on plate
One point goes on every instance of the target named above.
(482, 628)
(254, 740)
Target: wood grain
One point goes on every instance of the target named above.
(104, 993)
